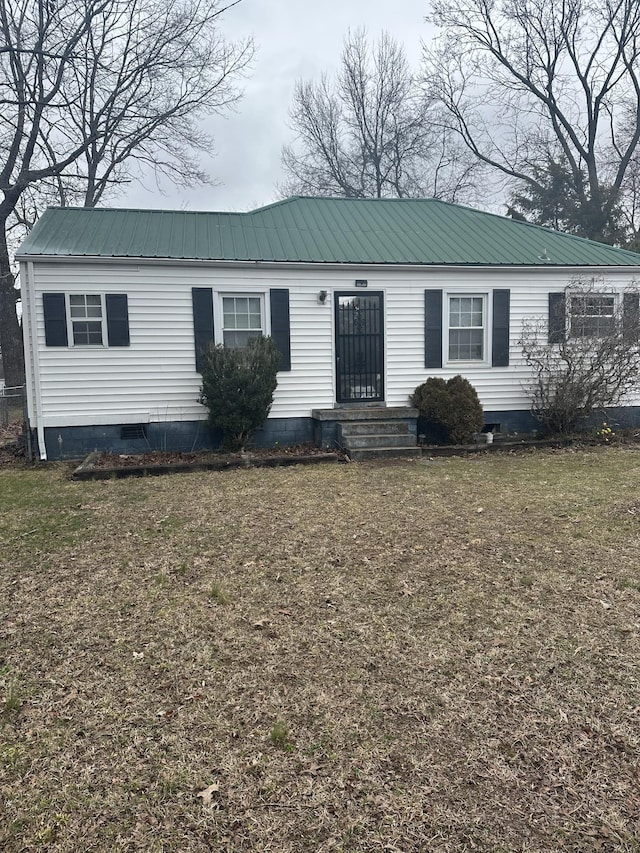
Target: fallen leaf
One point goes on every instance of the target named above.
(207, 793)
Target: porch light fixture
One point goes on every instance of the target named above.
(322, 297)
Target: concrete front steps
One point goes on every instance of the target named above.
(377, 432)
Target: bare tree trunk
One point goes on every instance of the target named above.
(10, 332)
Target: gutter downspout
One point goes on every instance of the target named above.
(31, 358)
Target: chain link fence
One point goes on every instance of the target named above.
(12, 407)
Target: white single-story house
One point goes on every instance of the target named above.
(366, 299)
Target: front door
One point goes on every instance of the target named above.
(359, 347)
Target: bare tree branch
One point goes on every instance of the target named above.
(526, 82)
(372, 132)
(90, 90)
(593, 364)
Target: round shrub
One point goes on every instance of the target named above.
(432, 402)
(237, 388)
(449, 412)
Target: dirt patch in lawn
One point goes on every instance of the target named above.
(417, 657)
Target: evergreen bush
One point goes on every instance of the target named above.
(449, 411)
(237, 389)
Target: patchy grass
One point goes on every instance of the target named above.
(280, 735)
(425, 656)
(218, 594)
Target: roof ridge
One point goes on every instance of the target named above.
(78, 208)
(279, 203)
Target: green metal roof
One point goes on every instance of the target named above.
(318, 230)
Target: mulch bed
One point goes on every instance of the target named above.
(105, 465)
(159, 457)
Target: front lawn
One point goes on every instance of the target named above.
(422, 656)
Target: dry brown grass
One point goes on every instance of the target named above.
(414, 657)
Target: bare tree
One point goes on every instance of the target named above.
(370, 133)
(528, 82)
(586, 357)
(91, 90)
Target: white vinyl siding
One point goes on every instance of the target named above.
(499, 388)
(154, 379)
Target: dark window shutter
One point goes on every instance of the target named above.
(117, 319)
(433, 328)
(280, 325)
(557, 310)
(631, 317)
(55, 320)
(202, 298)
(500, 330)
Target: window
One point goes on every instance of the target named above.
(469, 329)
(98, 320)
(86, 319)
(221, 317)
(466, 328)
(591, 315)
(242, 320)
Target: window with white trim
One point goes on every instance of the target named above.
(467, 328)
(591, 315)
(87, 317)
(242, 319)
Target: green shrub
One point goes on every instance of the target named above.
(237, 389)
(449, 412)
(431, 400)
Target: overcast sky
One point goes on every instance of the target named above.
(294, 39)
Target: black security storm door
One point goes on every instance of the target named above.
(359, 347)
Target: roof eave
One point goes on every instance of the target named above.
(330, 265)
